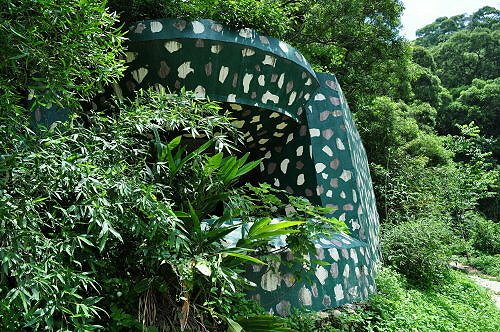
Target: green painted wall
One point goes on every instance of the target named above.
(298, 121)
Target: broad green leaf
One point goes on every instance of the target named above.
(265, 227)
(279, 225)
(214, 161)
(273, 234)
(232, 326)
(258, 224)
(215, 235)
(174, 142)
(195, 219)
(248, 167)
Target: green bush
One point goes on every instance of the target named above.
(458, 305)
(78, 205)
(486, 236)
(419, 250)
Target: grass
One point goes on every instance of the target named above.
(456, 305)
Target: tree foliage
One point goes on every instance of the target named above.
(464, 47)
(444, 27)
(267, 16)
(357, 40)
(58, 50)
(467, 55)
(478, 103)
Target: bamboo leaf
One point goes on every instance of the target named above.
(195, 219)
(244, 257)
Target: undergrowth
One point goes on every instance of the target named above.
(457, 305)
(487, 264)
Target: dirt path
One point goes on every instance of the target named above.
(492, 285)
(474, 274)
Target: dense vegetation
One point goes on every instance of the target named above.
(458, 305)
(95, 233)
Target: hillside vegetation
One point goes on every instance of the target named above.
(100, 215)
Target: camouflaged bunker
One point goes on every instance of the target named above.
(293, 118)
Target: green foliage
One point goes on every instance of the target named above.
(188, 116)
(267, 16)
(475, 159)
(109, 217)
(358, 41)
(386, 122)
(425, 115)
(400, 129)
(411, 166)
(440, 30)
(464, 50)
(303, 321)
(360, 319)
(486, 236)
(476, 103)
(444, 27)
(488, 264)
(62, 51)
(431, 147)
(419, 250)
(423, 57)
(71, 196)
(410, 189)
(467, 55)
(464, 47)
(348, 318)
(262, 323)
(68, 194)
(427, 88)
(457, 305)
(486, 17)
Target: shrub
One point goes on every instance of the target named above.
(486, 236)
(419, 250)
(305, 321)
(458, 305)
(71, 196)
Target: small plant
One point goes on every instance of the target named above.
(205, 270)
